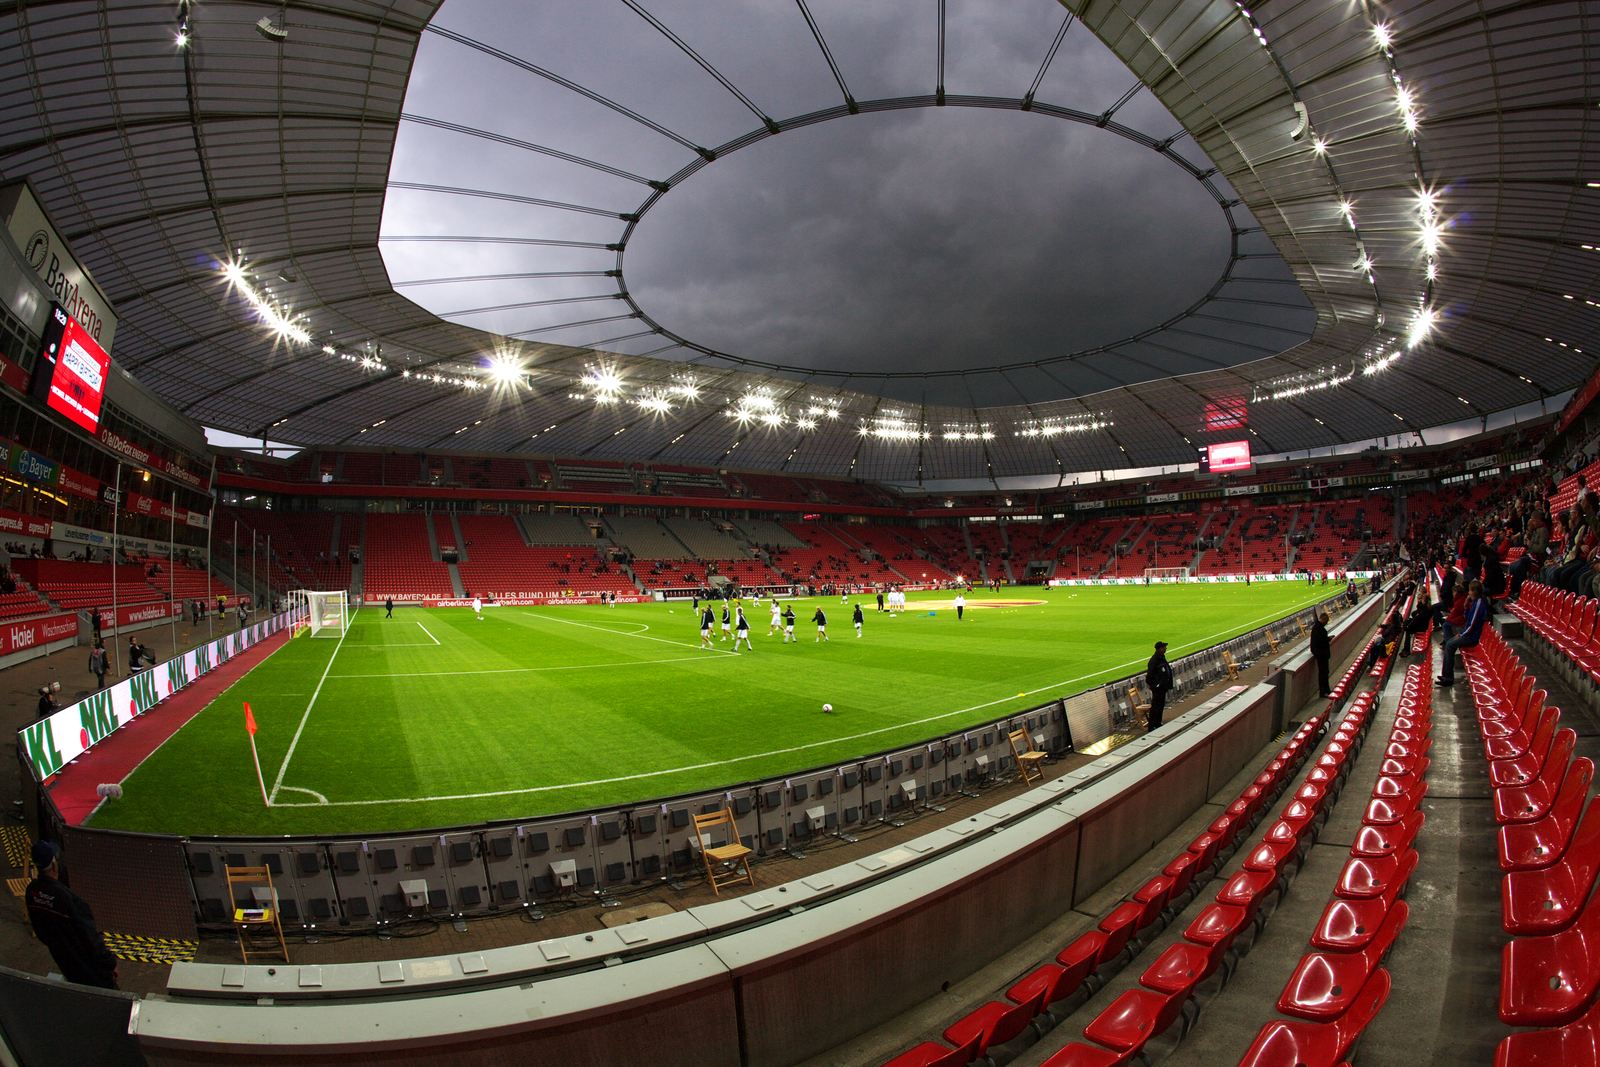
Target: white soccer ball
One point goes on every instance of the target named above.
(827, 707)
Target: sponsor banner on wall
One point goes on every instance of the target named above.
(1160, 498)
(145, 458)
(78, 484)
(508, 601)
(15, 522)
(36, 633)
(1088, 505)
(1241, 490)
(1412, 476)
(1212, 579)
(1481, 461)
(63, 531)
(32, 467)
(198, 519)
(50, 744)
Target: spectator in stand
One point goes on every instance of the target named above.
(1580, 539)
(47, 702)
(1471, 630)
(1535, 543)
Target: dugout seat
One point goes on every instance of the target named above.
(727, 863)
(1030, 760)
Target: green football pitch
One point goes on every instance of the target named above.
(436, 718)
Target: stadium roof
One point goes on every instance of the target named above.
(1421, 170)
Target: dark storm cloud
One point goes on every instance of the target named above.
(925, 240)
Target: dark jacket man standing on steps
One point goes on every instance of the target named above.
(1158, 676)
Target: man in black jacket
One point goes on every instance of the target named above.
(66, 925)
(1158, 676)
(1321, 651)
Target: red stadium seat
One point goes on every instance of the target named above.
(1387, 811)
(1525, 803)
(1219, 925)
(1546, 900)
(1520, 770)
(1182, 967)
(1078, 1054)
(1135, 1017)
(1080, 958)
(1550, 980)
(1316, 1044)
(1530, 845)
(1388, 840)
(933, 1054)
(1568, 1046)
(994, 1023)
(1325, 984)
(1364, 877)
(1350, 925)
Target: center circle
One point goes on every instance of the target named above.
(903, 241)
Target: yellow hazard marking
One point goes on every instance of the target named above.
(137, 949)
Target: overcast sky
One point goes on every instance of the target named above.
(917, 240)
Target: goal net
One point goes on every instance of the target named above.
(1166, 574)
(327, 613)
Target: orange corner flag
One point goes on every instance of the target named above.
(249, 720)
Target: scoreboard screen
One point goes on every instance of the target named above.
(1225, 458)
(70, 375)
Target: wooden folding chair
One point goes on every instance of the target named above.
(1139, 706)
(1231, 665)
(255, 911)
(1029, 759)
(728, 863)
(1272, 640)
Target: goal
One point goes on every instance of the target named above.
(327, 613)
(1166, 574)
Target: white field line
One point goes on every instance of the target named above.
(618, 633)
(760, 755)
(277, 783)
(296, 789)
(527, 670)
(432, 638)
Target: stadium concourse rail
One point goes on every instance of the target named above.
(750, 980)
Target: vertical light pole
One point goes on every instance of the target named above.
(116, 506)
(172, 572)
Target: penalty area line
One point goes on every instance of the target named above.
(619, 633)
(432, 638)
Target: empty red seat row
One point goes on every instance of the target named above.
(1082, 964)
(1166, 992)
(1549, 849)
(1339, 986)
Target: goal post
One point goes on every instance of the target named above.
(327, 613)
(1166, 574)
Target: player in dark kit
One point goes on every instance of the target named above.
(855, 617)
(822, 625)
(707, 621)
